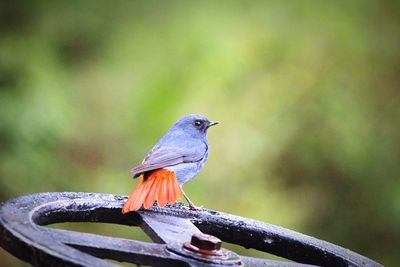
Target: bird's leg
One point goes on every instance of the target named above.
(191, 205)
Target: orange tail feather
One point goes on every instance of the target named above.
(137, 191)
(151, 196)
(162, 196)
(171, 192)
(160, 185)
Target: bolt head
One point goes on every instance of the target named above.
(206, 242)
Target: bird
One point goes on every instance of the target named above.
(176, 159)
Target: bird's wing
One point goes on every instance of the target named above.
(167, 156)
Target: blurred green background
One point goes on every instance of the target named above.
(307, 93)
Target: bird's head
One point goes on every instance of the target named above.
(194, 125)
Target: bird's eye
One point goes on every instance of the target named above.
(197, 123)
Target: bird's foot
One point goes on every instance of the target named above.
(193, 207)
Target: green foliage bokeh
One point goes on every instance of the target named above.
(307, 93)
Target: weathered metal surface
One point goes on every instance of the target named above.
(24, 234)
(167, 229)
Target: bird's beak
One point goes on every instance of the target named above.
(212, 123)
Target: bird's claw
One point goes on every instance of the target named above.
(193, 207)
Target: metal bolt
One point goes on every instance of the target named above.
(207, 245)
(205, 242)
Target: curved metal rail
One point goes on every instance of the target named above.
(23, 233)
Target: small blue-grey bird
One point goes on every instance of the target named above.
(176, 159)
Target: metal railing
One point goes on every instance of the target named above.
(182, 237)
